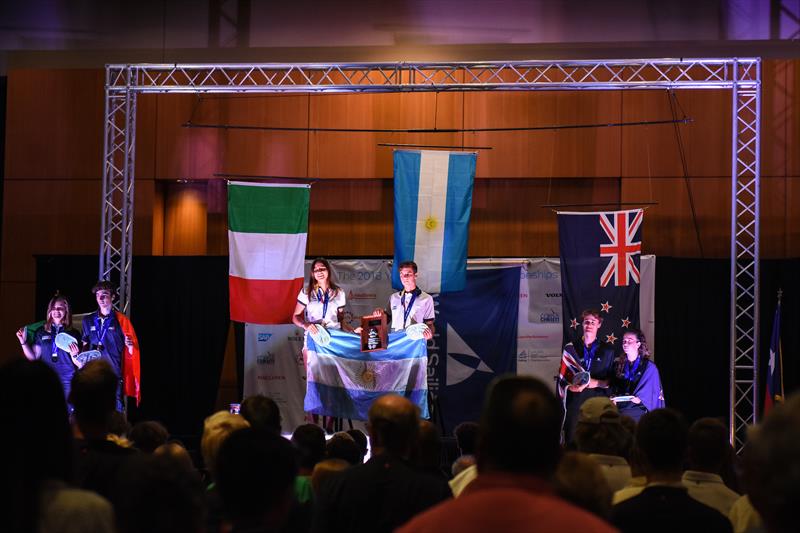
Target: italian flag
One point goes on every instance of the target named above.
(267, 233)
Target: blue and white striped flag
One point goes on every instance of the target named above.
(432, 204)
(343, 381)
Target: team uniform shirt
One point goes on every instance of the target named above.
(323, 307)
(105, 335)
(408, 308)
(44, 346)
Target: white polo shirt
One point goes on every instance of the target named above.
(316, 304)
(421, 308)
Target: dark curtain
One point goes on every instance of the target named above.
(179, 308)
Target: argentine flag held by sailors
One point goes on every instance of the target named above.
(432, 205)
(343, 381)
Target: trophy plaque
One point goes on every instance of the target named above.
(374, 332)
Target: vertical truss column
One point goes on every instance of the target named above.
(119, 155)
(745, 211)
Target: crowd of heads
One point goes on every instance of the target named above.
(246, 472)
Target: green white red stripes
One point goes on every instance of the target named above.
(267, 234)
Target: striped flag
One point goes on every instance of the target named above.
(774, 393)
(267, 233)
(432, 204)
(343, 381)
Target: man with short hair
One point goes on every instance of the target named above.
(709, 450)
(262, 412)
(386, 491)
(518, 451)
(600, 434)
(411, 305)
(664, 504)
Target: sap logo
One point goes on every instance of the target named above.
(553, 294)
(550, 318)
(462, 361)
(264, 337)
(266, 359)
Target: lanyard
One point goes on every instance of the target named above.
(630, 369)
(588, 355)
(407, 310)
(101, 330)
(324, 302)
(54, 354)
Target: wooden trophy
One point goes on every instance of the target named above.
(374, 332)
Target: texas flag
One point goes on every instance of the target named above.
(432, 205)
(774, 392)
(600, 257)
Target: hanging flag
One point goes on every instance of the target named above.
(600, 255)
(267, 233)
(343, 381)
(476, 341)
(432, 204)
(774, 393)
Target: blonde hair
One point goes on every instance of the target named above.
(67, 322)
(216, 429)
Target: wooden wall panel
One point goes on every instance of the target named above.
(185, 219)
(776, 113)
(653, 150)
(357, 155)
(590, 152)
(792, 226)
(54, 124)
(792, 141)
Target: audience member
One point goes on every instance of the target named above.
(518, 450)
(94, 398)
(326, 470)
(664, 504)
(744, 517)
(178, 453)
(466, 434)
(580, 480)
(159, 494)
(262, 413)
(464, 468)
(600, 434)
(386, 491)
(216, 429)
(342, 446)
(148, 435)
(772, 467)
(709, 449)
(309, 443)
(37, 458)
(256, 472)
(361, 441)
(427, 452)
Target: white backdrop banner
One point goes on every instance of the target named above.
(273, 361)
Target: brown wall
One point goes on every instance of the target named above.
(54, 152)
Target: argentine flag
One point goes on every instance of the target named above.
(432, 204)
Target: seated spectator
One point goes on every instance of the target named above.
(664, 504)
(462, 463)
(600, 434)
(309, 443)
(94, 396)
(324, 471)
(158, 494)
(772, 467)
(427, 451)
(580, 480)
(361, 441)
(744, 517)
(709, 450)
(637, 482)
(342, 446)
(518, 450)
(466, 434)
(176, 452)
(256, 471)
(262, 413)
(386, 491)
(37, 457)
(148, 435)
(464, 468)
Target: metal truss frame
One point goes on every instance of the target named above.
(742, 76)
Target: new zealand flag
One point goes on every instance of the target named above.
(600, 255)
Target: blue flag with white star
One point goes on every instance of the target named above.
(475, 341)
(600, 258)
(774, 389)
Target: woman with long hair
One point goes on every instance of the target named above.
(321, 302)
(43, 346)
(637, 384)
